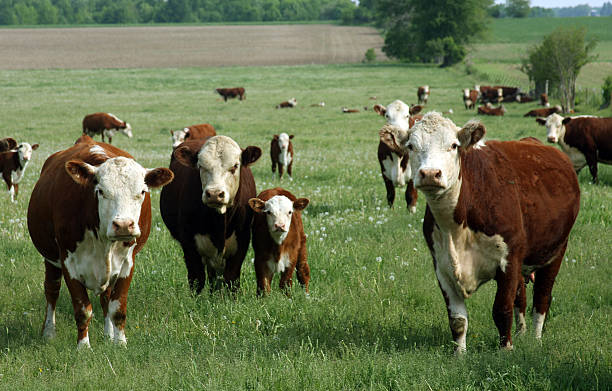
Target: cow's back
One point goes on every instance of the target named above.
(591, 133)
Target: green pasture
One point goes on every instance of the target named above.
(375, 318)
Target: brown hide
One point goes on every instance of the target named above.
(231, 93)
(94, 124)
(274, 155)
(543, 99)
(542, 112)
(592, 137)
(201, 131)
(470, 101)
(497, 111)
(8, 143)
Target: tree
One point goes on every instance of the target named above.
(517, 8)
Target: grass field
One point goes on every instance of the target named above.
(375, 319)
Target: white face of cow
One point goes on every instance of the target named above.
(279, 211)
(127, 131)
(466, 92)
(398, 114)
(25, 152)
(178, 136)
(554, 127)
(283, 142)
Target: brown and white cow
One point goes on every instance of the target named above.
(523, 98)
(13, 164)
(544, 100)
(423, 94)
(231, 93)
(281, 153)
(469, 98)
(394, 164)
(206, 208)
(279, 241)
(586, 140)
(491, 94)
(291, 103)
(488, 110)
(346, 110)
(509, 94)
(490, 209)
(545, 112)
(105, 124)
(7, 144)
(192, 132)
(89, 215)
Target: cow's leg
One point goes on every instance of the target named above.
(542, 289)
(117, 308)
(591, 159)
(520, 303)
(231, 275)
(12, 193)
(289, 170)
(108, 324)
(110, 139)
(457, 312)
(507, 285)
(16, 186)
(82, 309)
(102, 134)
(411, 196)
(196, 274)
(263, 274)
(53, 282)
(273, 166)
(302, 269)
(390, 191)
(280, 171)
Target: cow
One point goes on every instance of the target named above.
(394, 166)
(523, 98)
(509, 94)
(469, 98)
(281, 154)
(544, 100)
(586, 140)
(231, 93)
(545, 112)
(192, 132)
(416, 109)
(320, 104)
(206, 208)
(291, 103)
(88, 216)
(349, 111)
(105, 124)
(7, 144)
(491, 95)
(489, 216)
(423, 94)
(13, 164)
(279, 241)
(488, 110)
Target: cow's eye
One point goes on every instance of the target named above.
(454, 146)
(234, 168)
(143, 192)
(100, 193)
(410, 147)
(290, 212)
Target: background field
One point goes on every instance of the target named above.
(375, 318)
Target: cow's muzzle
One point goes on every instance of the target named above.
(124, 230)
(430, 178)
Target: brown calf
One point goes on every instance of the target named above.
(423, 94)
(13, 164)
(194, 132)
(497, 111)
(544, 100)
(291, 103)
(105, 124)
(281, 153)
(469, 98)
(231, 93)
(543, 112)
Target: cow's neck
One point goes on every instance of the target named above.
(443, 207)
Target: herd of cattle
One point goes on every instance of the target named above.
(90, 211)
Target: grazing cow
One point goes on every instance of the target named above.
(469, 98)
(13, 164)
(231, 93)
(281, 154)
(7, 143)
(543, 112)
(89, 215)
(393, 165)
(349, 111)
(206, 208)
(320, 104)
(105, 124)
(544, 100)
(490, 209)
(192, 132)
(488, 110)
(523, 98)
(587, 140)
(423, 94)
(279, 241)
(291, 103)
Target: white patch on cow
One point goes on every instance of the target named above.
(521, 325)
(284, 157)
(109, 133)
(394, 171)
(209, 253)
(127, 130)
(555, 133)
(97, 150)
(398, 114)
(278, 211)
(83, 343)
(109, 329)
(178, 137)
(97, 262)
(538, 322)
(49, 327)
(279, 267)
(24, 152)
(456, 306)
(118, 334)
(12, 193)
(114, 117)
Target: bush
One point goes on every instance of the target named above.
(606, 92)
(370, 55)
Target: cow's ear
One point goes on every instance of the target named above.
(380, 109)
(171, 132)
(257, 205)
(416, 109)
(290, 136)
(35, 147)
(470, 134)
(393, 137)
(80, 172)
(541, 121)
(250, 155)
(566, 120)
(158, 177)
(275, 137)
(300, 203)
(186, 156)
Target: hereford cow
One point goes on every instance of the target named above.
(279, 241)
(544, 100)
(206, 208)
(490, 209)
(105, 124)
(349, 111)
(469, 98)
(281, 153)
(488, 110)
(227, 93)
(543, 112)
(291, 103)
(7, 144)
(423, 94)
(509, 94)
(523, 98)
(13, 164)
(89, 215)
(587, 140)
(491, 95)
(394, 165)
(192, 132)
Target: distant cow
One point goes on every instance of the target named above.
(231, 93)
(586, 140)
(523, 98)
(320, 104)
(7, 144)
(279, 241)
(544, 100)
(416, 109)
(291, 103)
(490, 211)
(423, 94)
(393, 165)
(349, 111)
(543, 112)
(206, 208)
(89, 215)
(105, 124)
(509, 94)
(487, 110)
(191, 133)
(491, 95)
(281, 153)
(13, 164)
(469, 98)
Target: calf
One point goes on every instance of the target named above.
(490, 209)
(8, 143)
(13, 164)
(543, 112)
(349, 111)
(523, 98)
(279, 241)
(587, 140)
(281, 153)
(487, 110)
(291, 103)
(192, 132)
(206, 208)
(105, 124)
(89, 215)
(469, 98)
(544, 100)
(423, 94)
(509, 94)
(394, 164)
(231, 93)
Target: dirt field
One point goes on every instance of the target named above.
(192, 46)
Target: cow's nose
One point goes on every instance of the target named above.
(280, 226)
(215, 195)
(430, 176)
(124, 227)
(552, 139)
